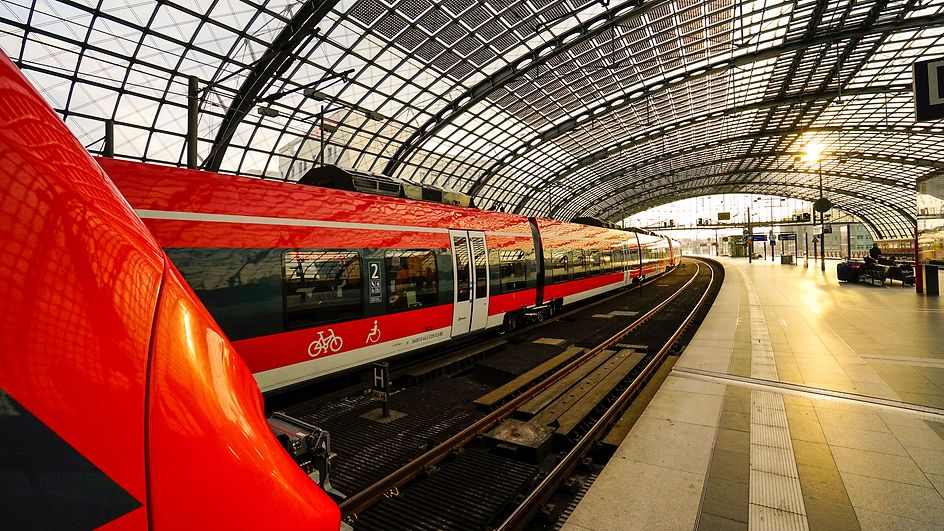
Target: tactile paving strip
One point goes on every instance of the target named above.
(776, 500)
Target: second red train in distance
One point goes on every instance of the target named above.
(307, 281)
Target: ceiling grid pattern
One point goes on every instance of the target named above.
(540, 107)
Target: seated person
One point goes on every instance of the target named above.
(874, 254)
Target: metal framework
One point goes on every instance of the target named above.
(540, 107)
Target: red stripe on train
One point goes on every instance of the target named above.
(559, 291)
(279, 350)
(509, 302)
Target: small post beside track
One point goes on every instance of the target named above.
(381, 387)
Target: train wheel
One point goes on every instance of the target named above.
(511, 322)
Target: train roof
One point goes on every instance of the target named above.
(151, 188)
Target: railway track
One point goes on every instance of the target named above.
(437, 361)
(535, 432)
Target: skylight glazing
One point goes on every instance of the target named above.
(540, 107)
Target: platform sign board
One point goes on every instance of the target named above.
(724, 216)
(929, 89)
(375, 267)
(787, 236)
(380, 389)
(759, 237)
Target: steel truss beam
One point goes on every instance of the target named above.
(737, 158)
(670, 191)
(785, 192)
(618, 193)
(717, 66)
(596, 157)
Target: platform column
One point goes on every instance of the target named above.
(193, 108)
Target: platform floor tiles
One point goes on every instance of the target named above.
(799, 404)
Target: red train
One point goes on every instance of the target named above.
(122, 403)
(307, 281)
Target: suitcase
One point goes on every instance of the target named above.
(844, 272)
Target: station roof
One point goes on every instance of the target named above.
(540, 107)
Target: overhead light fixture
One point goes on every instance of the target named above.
(316, 94)
(268, 112)
(374, 115)
(812, 152)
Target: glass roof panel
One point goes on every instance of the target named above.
(541, 107)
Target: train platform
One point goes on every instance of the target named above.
(800, 403)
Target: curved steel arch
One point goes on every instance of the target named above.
(694, 148)
(520, 66)
(619, 102)
(691, 193)
(670, 195)
(275, 61)
(661, 131)
(758, 171)
(737, 158)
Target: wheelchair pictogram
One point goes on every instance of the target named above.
(374, 335)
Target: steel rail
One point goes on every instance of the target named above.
(531, 504)
(367, 497)
(471, 343)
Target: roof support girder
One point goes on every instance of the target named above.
(602, 154)
(274, 62)
(737, 158)
(761, 171)
(924, 163)
(520, 66)
(669, 192)
(717, 66)
(865, 219)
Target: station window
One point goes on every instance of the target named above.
(412, 281)
(321, 286)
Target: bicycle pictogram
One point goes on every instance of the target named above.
(374, 335)
(325, 344)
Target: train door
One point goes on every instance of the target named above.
(627, 267)
(470, 297)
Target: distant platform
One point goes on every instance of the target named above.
(801, 403)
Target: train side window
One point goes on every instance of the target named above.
(549, 267)
(579, 263)
(593, 265)
(561, 262)
(513, 269)
(480, 262)
(412, 280)
(606, 261)
(321, 287)
(463, 280)
(242, 288)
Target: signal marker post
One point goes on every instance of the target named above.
(380, 390)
